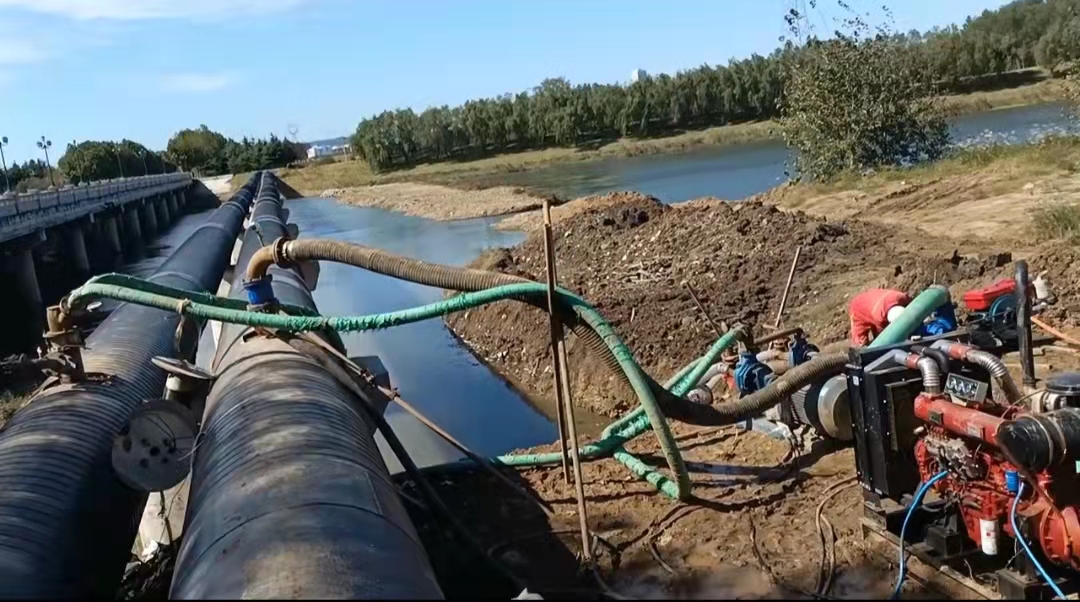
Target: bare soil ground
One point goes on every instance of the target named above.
(632, 257)
(986, 204)
(437, 202)
(753, 533)
(750, 533)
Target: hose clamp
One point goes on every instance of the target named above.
(279, 251)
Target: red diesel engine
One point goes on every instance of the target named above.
(985, 450)
(944, 412)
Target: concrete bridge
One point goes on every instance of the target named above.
(53, 240)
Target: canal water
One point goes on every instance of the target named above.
(736, 172)
(427, 365)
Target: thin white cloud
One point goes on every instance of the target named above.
(14, 51)
(194, 83)
(131, 10)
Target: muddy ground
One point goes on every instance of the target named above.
(753, 533)
(750, 532)
(634, 259)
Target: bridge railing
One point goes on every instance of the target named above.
(21, 214)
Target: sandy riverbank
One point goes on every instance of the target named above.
(437, 202)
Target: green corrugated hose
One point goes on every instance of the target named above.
(209, 307)
(646, 416)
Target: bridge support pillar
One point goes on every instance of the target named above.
(110, 234)
(133, 237)
(163, 218)
(174, 208)
(181, 196)
(149, 220)
(25, 302)
(74, 243)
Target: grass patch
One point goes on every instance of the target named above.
(10, 402)
(976, 102)
(1057, 220)
(993, 170)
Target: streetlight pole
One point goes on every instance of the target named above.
(44, 145)
(119, 163)
(146, 170)
(3, 162)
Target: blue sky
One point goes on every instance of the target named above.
(142, 69)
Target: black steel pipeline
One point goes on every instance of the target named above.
(67, 524)
(1023, 325)
(290, 497)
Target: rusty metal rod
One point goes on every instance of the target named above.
(1057, 333)
(568, 398)
(787, 287)
(556, 336)
(716, 327)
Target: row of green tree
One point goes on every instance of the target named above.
(93, 160)
(1021, 34)
(209, 153)
(31, 174)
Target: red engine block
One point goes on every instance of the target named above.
(962, 441)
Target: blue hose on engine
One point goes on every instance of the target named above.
(916, 502)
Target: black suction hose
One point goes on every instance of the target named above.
(468, 280)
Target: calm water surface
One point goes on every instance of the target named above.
(736, 172)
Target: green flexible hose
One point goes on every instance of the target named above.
(209, 307)
(646, 416)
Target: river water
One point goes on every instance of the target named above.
(426, 363)
(736, 172)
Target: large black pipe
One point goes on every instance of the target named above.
(67, 524)
(290, 497)
(1023, 325)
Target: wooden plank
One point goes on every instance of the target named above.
(924, 569)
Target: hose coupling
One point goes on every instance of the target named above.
(260, 292)
(279, 251)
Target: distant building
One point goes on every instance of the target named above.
(324, 150)
(638, 75)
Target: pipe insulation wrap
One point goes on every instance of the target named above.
(67, 524)
(290, 497)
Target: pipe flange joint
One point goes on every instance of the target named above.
(278, 251)
(259, 291)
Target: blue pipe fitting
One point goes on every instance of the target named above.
(943, 320)
(750, 374)
(800, 351)
(260, 291)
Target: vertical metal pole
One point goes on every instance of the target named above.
(787, 287)
(1023, 326)
(556, 336)
(3, 163)
(571, 423)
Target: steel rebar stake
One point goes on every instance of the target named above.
(568, 398)
(556, 337)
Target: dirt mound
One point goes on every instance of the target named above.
(533, 221)
(632, 256)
